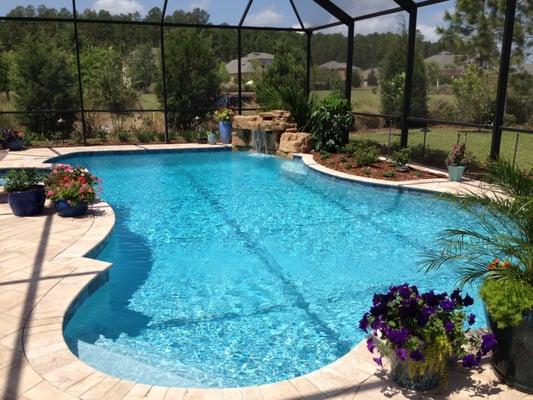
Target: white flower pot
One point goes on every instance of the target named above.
(455, 172)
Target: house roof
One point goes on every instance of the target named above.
(443, 59)
(528, 68)
(247, 62)
(335, 65)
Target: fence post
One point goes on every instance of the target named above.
(164, 70)
(408, 90)
(78, 65)
(505, 60)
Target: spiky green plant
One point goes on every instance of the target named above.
(499, 250)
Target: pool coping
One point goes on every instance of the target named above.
(69, 377)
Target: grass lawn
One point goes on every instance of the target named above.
(442, 138)
(149, 101)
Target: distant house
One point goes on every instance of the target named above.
(528, 68)
(338, 67)
(449, 65)
(249, 64)
(443, 59)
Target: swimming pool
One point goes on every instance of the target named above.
(232, 269)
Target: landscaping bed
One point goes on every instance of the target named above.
(344, 162)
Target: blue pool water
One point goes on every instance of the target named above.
(232, 269)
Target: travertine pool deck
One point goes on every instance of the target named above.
(43, 267)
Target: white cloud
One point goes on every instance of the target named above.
(266, 17)
(118, 6)
(429, 32)
(203, 4)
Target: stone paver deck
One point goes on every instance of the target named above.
(43, 267)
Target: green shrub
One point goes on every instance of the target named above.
(364, 153)
(506, 301)
(146, 136)
(389, 174)
(331, 122)
(325, 154)
(20, 180)
(401, 157)
(189, 135)
(123, 137)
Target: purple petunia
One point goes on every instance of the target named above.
(469, 361)
(449, 326)
(378, 361)
(447, 305)
(398, 336)
(488, 342)
(401, 353)
(468, 301)
(370, 345)
(417, 355)
(471, 319)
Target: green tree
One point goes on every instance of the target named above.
(433, 73)
(392, 72)
(372, 79)
(105, 83)
(4, 72)
(475, 28)
(357, 80)
(43, 79)
(142, 67)
(475, 94)
(282, 85)
(193, 78)
(519, 98)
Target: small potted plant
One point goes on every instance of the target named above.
(401, 159)
(71, 189)
(12, 139)
(225, 118)
(457, 162)
(25, 193)
(421, 333)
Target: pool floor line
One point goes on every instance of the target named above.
(263, 255)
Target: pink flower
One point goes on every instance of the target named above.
(50, 193)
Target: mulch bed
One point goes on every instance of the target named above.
(380, 170)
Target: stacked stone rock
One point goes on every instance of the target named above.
(281, 136)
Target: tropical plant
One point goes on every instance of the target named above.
(74, 186)
(224, 114)
(22, 179)
(330, 123)
(423, 330)
(498, 252)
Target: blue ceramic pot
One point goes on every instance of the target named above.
(27, 203)
(225, 131)
(15, 145)
(66, 210)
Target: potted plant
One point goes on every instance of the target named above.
(498, 253)
(71, 189)
(211, 137)
(401, 158)
(225, 117)
(457, 161)
(12, 139)
(421, 333)
(25, 193)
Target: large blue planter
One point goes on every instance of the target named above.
(27, 203)
(225, 131)
(66, 210)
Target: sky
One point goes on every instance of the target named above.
(265, 12)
